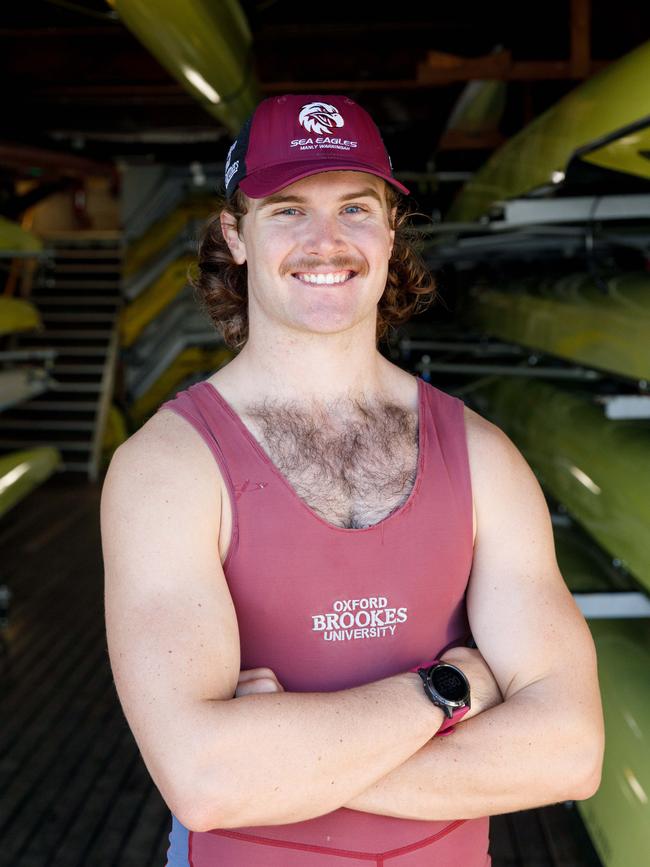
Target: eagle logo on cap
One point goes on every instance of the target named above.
(320, 117)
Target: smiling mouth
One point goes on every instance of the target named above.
(320, 279)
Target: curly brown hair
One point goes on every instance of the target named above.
(221, 285)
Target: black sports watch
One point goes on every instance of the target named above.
(447, 687)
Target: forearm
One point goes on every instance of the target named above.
(526, 752)
(280, 758)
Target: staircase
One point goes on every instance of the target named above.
(77, 293)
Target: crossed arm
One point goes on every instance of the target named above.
(545, 742)
(282, 757)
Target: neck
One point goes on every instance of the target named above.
(301, 368)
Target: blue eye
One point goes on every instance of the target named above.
(354, 208)
(287, 210)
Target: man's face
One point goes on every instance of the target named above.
(317, 251)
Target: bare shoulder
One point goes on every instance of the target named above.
(478, 428)
(477, 431)
(487, 442)
(498, 470)
(169, 448)
(167, 469)
(165, 431)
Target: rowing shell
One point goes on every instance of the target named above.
(606, 327)
(599, 468)
(603, 122)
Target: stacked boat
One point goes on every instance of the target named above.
(167, 341)
(22, 375)
(605, 326)
(599, 130)
(551, 244)
(205, 46)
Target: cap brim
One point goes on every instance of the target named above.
(265, 182)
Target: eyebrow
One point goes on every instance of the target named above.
(301, 200)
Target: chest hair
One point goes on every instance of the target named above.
(352, 462)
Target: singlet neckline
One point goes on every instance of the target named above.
(396, 513)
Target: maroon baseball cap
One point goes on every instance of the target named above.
(291, 137)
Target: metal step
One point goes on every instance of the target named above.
(53, 283)
(114, 252)
(72, 251)
(42, 296)
(72, 445)
(76, 368)
(66, 391)
(44, 424)
(55, 334)
(77, 317)
(75, 301)
(79, 298)
(74, 387)
(58, 405)
(30, 354)
(83, 268)
(63, 351)
(74, 381)
(75, 466)
(96, 346)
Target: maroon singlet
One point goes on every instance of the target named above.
(329, 608)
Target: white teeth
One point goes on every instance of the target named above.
(324, 279)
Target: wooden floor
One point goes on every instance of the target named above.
(74, 791)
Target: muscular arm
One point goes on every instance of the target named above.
(173, 642)
(544, 743)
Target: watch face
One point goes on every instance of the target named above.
(449, 683)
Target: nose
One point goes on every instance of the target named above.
(325, 236)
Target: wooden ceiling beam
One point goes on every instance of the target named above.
(340, 85)
(173, 94)
(580, 38)
(457, 140)
(24, 158)
(441, 68)
(534, 70)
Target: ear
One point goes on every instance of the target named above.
(232, 237)
(393, 212)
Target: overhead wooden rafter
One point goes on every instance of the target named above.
(580, 61)
(52, 163)
(442, 68)
(438, 68)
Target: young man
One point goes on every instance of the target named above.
(287, 542)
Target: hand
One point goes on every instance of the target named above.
(484, 690)
(256, 680)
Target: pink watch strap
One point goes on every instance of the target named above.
(427, 664)
(448, 725)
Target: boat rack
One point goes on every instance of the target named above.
(622, 406)
(578, 373)
(475, 347)
(538, 213)
(623, 601)
(618, 406)
(529, 226)
(22, 382)
(614, 605)
(528, 211)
